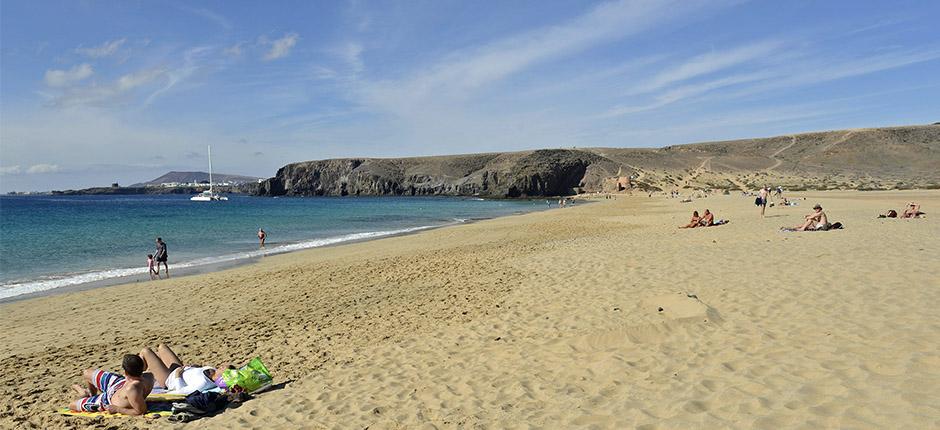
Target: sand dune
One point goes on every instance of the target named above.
(545, 320)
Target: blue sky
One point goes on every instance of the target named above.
(93, 92)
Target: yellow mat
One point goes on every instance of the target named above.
(165, 397)
(149, 414)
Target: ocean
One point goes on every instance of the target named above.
(49, 242)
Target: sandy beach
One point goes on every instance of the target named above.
(601, 315)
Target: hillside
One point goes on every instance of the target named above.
(196, 177)
(877, 158)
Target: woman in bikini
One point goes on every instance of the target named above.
(694, 222)
(170, 373)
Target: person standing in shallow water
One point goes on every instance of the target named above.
(261, 236)
(161, 256)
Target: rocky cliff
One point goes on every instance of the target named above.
(520, 174)
(879, 158)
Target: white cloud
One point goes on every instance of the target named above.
(351, 53)
(108, 94)
(280, 48)
(708, 63)
(42, 168)
(463, 72)
(210, 15)
(61, 78)
(234, 50)
(10, 170)
(106, 49)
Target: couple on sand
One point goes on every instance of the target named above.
(127, 393)
(707, 220)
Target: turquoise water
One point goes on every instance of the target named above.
(48, 242)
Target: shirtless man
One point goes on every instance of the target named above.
(694, 222)
(912, 211)
(708, 219)
(763, 200)
(815, 221)
(113, 393)
(261, 236)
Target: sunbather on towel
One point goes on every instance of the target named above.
(113, 393)
(912, 211)
(171, 374)
(694, 222)
(708, 219)
(816, 221)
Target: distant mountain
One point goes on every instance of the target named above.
(196, 177)
(863, 159)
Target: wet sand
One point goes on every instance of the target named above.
(547, 320)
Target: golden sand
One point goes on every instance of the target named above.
(546, 320)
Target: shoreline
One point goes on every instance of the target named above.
(230, 261)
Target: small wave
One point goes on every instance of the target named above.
(16, 288)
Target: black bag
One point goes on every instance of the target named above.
(208, 403)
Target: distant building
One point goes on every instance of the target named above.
(115, 185)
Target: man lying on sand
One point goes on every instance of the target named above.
(816, 221)
(113, 393)
(170, 373)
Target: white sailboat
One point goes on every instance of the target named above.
(209, 195)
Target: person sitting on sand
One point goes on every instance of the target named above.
(912, 211)
(708, 219)
(891, 213)
(113, 393)
(170, 373)
(694, 222)
(816, 221)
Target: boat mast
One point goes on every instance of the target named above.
(210, 168)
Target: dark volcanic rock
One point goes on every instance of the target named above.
(522, 174)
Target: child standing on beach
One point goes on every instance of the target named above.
(153, 270)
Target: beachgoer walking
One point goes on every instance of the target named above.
(762, 200)
(151, 268)
(261, 236)
(161, 256)
(113, 393)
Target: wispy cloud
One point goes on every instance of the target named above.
(234, 50)
(466, 70)
(42, 168)
(108, 94)
(351, 54)
(106, 49)
(279, 48)
(61, 78)
(708, 63)
(11, 170)
(215, 17)
(686, 91)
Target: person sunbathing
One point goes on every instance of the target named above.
(694, 222)
(816, 221)
(912, 211)
(708, 219)
(170, 373)
(113, 393)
